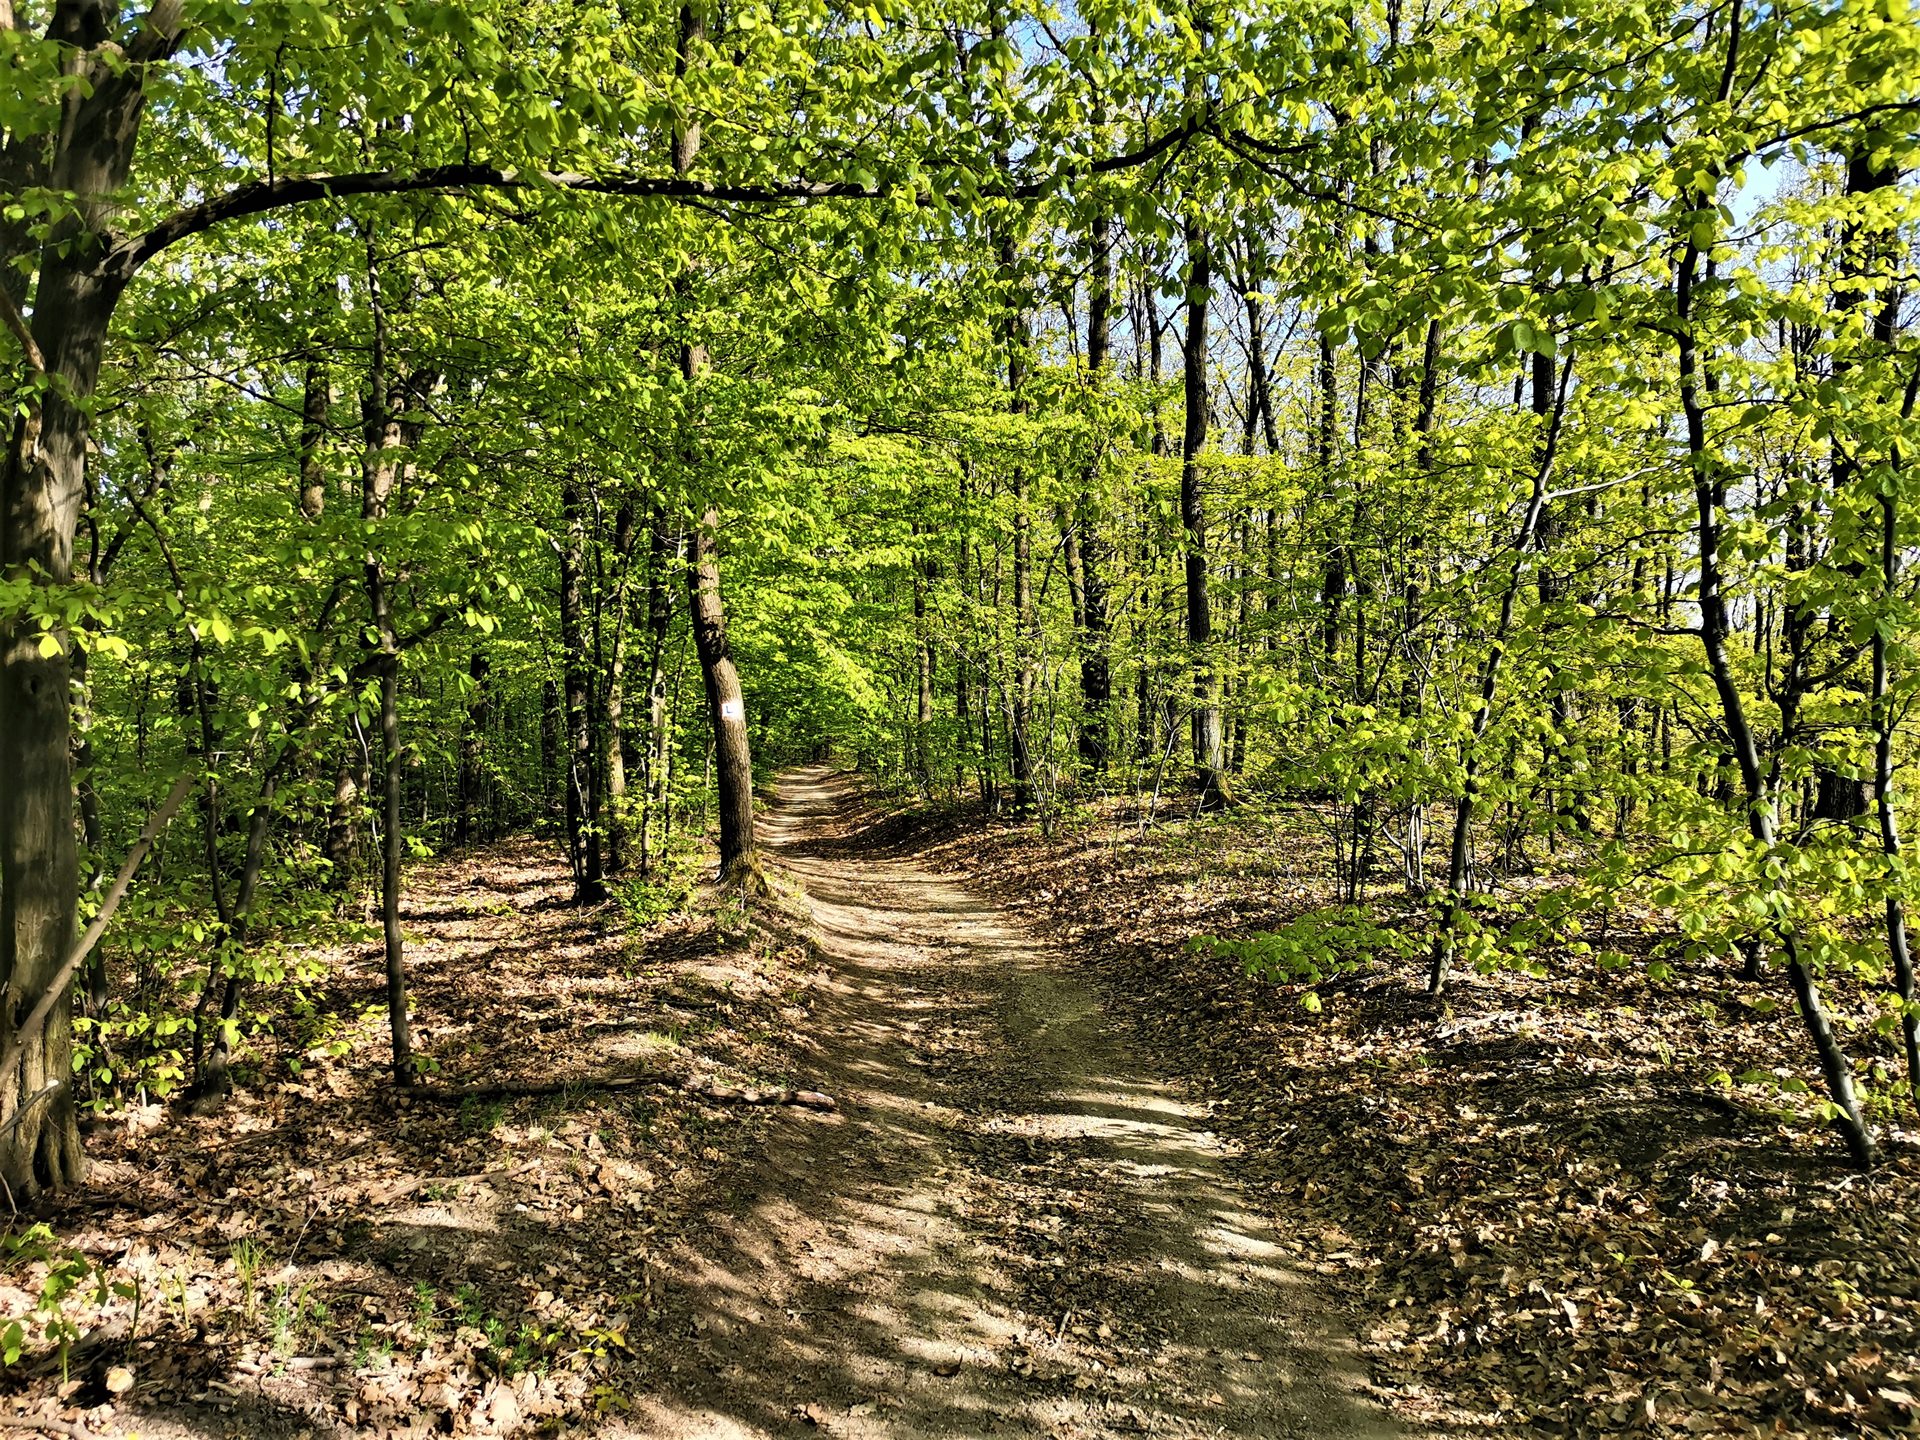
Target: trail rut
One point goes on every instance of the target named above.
(1013, 1227)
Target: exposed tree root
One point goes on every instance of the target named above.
(743, 873)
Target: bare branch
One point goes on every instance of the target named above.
(36, 1020)
(16, 322)
(257, 197)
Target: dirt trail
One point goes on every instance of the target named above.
(1012, 1228)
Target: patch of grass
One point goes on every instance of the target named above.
(247, 1256)
(294, 1315)
(426, 1308)
(480, 1117)
(371, 1348)
(511, 1346)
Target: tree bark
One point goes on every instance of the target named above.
(386, 437)
(1209, 754)
(923, 573)
(1096, 664)
(726, 704)
(1862, 253)
(614, 704)
(351, 778)
(42, 479)
(726, 708)
(1715, 626)
(1025, 622)
(315, 403)
(582, 771)
(660, 553)
(471, 823)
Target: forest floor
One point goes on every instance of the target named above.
(1578, 1202)
(1012, 1223)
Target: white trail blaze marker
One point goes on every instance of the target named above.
(733, 710)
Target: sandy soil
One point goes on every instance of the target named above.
(1013, 1227)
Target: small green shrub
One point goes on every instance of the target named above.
(1317, 946)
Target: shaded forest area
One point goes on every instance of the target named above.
(1431, 481)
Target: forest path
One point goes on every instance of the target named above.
(1014, 1228)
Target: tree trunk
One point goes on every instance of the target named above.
(726, 705)
(1862, 253)
(1025, 621)
(726, 708)
(1546, 449)
(1096, 665)
(1333, 580)
(923, 574)
(613, 706)
(471, 823)
(386, 437)
(582, 778)
(315, 403)
(1758, 802)
(42, 480)
(40, 491)
(351, 778)
(1209, 754)
(1884, 724)
(659, 740)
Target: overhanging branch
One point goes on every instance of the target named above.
(258, 197)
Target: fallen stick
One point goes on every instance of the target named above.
(732, 1095)
(696, 1087)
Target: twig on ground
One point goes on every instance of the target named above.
(696, 1087)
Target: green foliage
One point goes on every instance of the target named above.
(67, 1276)
(1315, 946)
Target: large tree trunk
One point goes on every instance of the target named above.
(386, 436)
(923, 573)
(726, 708)
(1025, 621)
(40, 1149)
(1209, 753)
(726, 705)
(43, 480)
(582, 777)
(1096, 666)
(613, 740)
